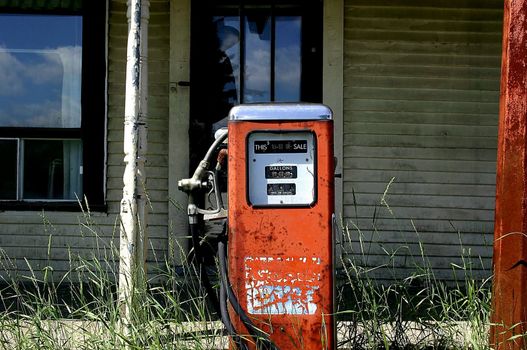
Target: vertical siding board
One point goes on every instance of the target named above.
(421, 89)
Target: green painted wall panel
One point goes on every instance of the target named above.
(421, 94)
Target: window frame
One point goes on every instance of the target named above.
(92, 131)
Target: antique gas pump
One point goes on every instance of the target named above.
(277, 268)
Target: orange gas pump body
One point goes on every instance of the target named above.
(281, 257)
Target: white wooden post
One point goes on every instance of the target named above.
(133, 237)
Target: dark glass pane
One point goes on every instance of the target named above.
(288, 58)
(52, 169)
(8, 175)
(257, 69)
(226, 66)
(40, 66)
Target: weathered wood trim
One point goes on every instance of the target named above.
(333, 88)
(179, 107)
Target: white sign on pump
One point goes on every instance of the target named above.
(281, 168)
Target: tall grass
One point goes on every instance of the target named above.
(411, 310)
(79, 310)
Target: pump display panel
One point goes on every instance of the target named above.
(281, 168)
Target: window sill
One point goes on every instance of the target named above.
(65, 206)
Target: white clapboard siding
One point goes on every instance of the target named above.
(421, 89)
(35, 240)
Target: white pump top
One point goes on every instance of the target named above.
(280, 111)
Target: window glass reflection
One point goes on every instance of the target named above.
(257, 69)
(40, 66)
(228, 42)
(288, 58)
(52, 169)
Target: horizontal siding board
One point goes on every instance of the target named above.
(423, 94)
(153, 89)
(414, 231)
(398, 47)
(156, 136)
(408, 105)
(432, 230)
(77, 266)
(153, 173)
(153, 54)
(379, 140)
(434, 117)
(160, 147)
(151, 160)
(412, 263)
(70, 243)
(427, 24)
(93, 232)
(421, 153)
(50, 219)
(395, 128)
(117, 125)
(437, 83)
(421, 165)
(155, 184)
(426, 59)
(400, 247)
(422, 189)
(399, 264)
(415, 253)
(370, 210)
(384, 177)
(439, 5)
(117, 77)
(66, 271)
(385, 10)
(156, 206)
(116, 110)
(386, 275)
(430, 201)
(420, 35)
(408, 259)
(154, 101)
(432, 71)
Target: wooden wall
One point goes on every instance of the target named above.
(421, 89)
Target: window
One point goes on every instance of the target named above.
(271, 69)
(52, 103)
(251, 51)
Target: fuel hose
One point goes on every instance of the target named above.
(220, 306)
(226, 294)
(261, 338)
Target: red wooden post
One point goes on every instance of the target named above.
(509, 315)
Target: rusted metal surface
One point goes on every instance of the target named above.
(281, 259)
(510, 246)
